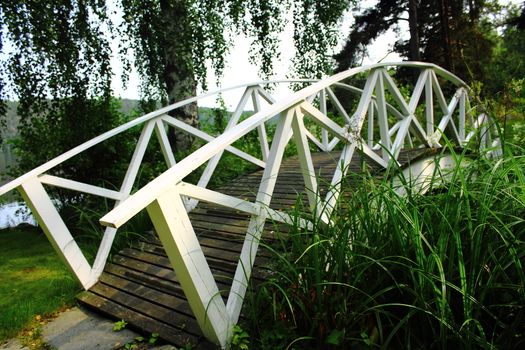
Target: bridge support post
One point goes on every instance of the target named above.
(256, 225)
(56, 230)
(176, 233)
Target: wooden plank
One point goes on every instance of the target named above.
(213, 249)
(178, 305)
(141, 322)
(140, 286)
(163, 261)
(148, 308)
(160, 280)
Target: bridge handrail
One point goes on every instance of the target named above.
(140, 199)
(140, 120)
(124, 127)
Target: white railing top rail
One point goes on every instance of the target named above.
(139, 200)
(162, 111)
(115, 131)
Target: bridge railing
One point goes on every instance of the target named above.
(393, 118)
(44, 208)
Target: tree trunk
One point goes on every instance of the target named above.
(179, 78)
(415, 54)
(445, 36)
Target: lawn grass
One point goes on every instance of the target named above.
(33, 279)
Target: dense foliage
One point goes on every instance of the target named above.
(57, 56)
(59, 70)
(455, 34)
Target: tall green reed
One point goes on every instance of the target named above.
(439, 270)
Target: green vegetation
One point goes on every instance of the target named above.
(240, 339)
(33, 279)
(440, 270)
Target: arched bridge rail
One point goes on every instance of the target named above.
(378, 122)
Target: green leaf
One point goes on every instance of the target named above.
(119, 325)
(335, 337)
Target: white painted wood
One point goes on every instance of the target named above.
(212, 163)
(322, 120)
(429, 105)
(103, 252)
(322, 108)
(415, 125)
(256, 225)
(120, 129)
(395, 127)
(408, 110)
(261, 130)
(264, 94)
(453, 131)
(400, 138)
(370, 131)
(369, 153)
(382, 118)
(203, 194)
(359, 116)
(417, 130)
(279, 216)
(333, 143)
(165, 145)
(202, 135)
(173, 226)
(447, 117)
(80, 187)
(311, 98)
(306, 163)
(209, 196)
(314, 139)
(438, 93)
(125, 189)
(389, 83)
(136, 159)
(314, 88)
(484, 133)
(410, 142)
(480, 120)
(424, 172)
(56, 230)
(148, 193)
(462, 111)
(340, 171)
(418, 91)
(263, 140)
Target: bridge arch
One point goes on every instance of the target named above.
(380, 122)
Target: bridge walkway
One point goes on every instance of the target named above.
(139, 286)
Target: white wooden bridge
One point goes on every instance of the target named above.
(188, 282)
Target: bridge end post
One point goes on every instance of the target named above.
(56, 230)
(179, 240)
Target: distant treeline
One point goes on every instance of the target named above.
(10, 132)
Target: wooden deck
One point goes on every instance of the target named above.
(139, 285)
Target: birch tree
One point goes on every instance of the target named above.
(58, 64)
